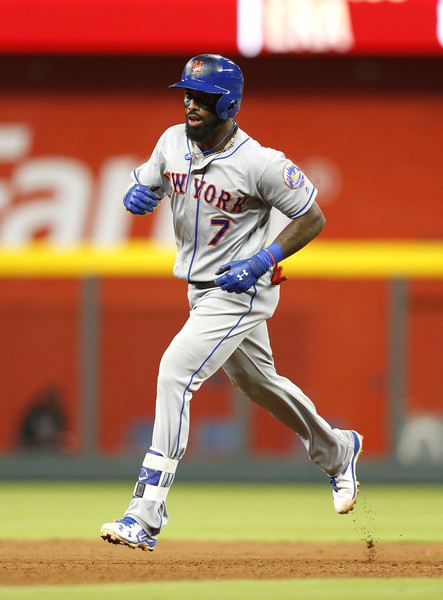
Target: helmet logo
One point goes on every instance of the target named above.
(196, 67)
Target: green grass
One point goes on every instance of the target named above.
(229, 511)
(314, 589)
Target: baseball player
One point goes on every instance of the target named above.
(222, 185)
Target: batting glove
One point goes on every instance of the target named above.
(140, 199)
(239, 275)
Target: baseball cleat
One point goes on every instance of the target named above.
(128, 532)
(345, 485)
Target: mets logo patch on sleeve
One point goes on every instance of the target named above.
(292, 175)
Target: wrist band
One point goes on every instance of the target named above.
(275, 252)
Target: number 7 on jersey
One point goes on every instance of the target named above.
(224, 225)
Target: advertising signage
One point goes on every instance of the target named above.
(234, 27)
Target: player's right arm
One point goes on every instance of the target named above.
(146, 191)
(141, 199)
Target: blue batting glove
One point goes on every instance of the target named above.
(140, 199)
(239, 275)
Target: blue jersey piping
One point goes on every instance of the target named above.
(196, 226)
(307, 204)
(233, 152)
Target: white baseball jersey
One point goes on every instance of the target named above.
(221, 203)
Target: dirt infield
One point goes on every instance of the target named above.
(84, 562)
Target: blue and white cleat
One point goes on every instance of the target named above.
(128, 532)
(345, 485)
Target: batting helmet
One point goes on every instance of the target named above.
(215, 74)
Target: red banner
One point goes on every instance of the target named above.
(248, 27)
(116, 26)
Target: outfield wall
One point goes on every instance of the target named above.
(366, 350)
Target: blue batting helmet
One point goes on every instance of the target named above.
(215, 74)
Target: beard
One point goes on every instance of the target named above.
(205, 130)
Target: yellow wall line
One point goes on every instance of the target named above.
(328, 259)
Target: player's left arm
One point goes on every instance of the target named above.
(239, 275)
(300, 231)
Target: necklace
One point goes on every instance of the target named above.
(206, 153)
